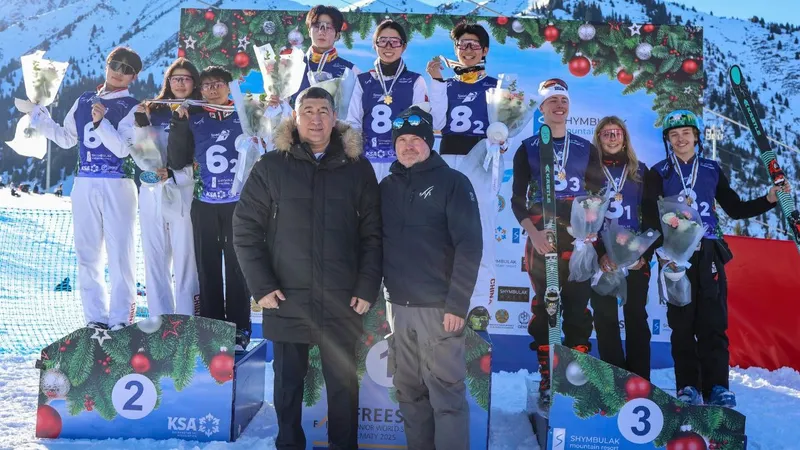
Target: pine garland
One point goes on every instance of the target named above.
(612, 49)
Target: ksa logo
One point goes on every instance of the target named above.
(207, 424)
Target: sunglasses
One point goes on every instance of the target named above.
(468, 44)
(180, 79)
(613, 133)
(322, 27)
(413, 120)
(391, 42)
(121, 67)
(213, 85)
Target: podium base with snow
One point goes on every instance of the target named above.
(601, 406)
(379, 416)
(166, 377)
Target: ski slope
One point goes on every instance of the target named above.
(771, 400)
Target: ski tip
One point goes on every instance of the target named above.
(736, 75)
(545, 134)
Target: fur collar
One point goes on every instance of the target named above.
(350, 138)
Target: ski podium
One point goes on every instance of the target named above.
(593, 404)
(165, 377)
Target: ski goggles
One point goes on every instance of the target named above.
(468, 44)
(391, 42)
(554, 82)
(121, 67)
(413, 120)
(614, 133)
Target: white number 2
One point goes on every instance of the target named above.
(704, 211)
(381, 118)
(461, 122)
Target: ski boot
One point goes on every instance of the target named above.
(721, 396)
(690, 395)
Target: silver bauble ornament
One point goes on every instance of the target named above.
(586, 32)
(55, 384)
(268, 27)
(575, 374)
(220, 30)
(644, 51)
(517, 26)
(150, 325)
(295, 38)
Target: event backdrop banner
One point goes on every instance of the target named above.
(639, 72)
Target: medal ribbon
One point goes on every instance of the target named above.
(562, 162)
(388, 93)
(693, 179)
(622, 179)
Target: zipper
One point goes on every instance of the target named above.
(275, 214)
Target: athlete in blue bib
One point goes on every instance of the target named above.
(577, 171)
(164, 202)
(104, 193)
(205, 138)
(624, 184)
(698, 329)
(382, 93)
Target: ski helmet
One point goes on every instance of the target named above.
(681, 118)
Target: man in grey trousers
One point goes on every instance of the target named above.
(432, 248)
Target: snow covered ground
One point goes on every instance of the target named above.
(770, 400)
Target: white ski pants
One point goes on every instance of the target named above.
(171, 281)
(104, 211)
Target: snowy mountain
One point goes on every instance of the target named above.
(83, 31)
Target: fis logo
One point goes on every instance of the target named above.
(223, 135)
(515, 232)
(656, 327)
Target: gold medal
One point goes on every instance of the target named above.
(618, 197)
(689, 200)
(562, 175)
(387, 99)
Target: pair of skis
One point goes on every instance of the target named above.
(790, 212)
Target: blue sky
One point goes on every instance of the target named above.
(771, 10)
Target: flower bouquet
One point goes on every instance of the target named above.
(282, 75)
(509, 112)
(585, 222)
(340, 88)
(42, 80)
(255, 129)
(624, 248)
(683, 230)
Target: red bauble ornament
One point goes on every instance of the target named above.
(221, 367)
(687, 440)
(62, 349)
(649, 84)
(637, 387)
(551, 33)
(502, 20)
(579, 66)
(345, 26)
(241, 60)
(690, 66)
(624, 77)
(210, 15)
(370, 340)
(181, 53)
(48, 422)
(140, 363)
(486, 363)
(649, 28)
(555, 361)
(673, 98)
